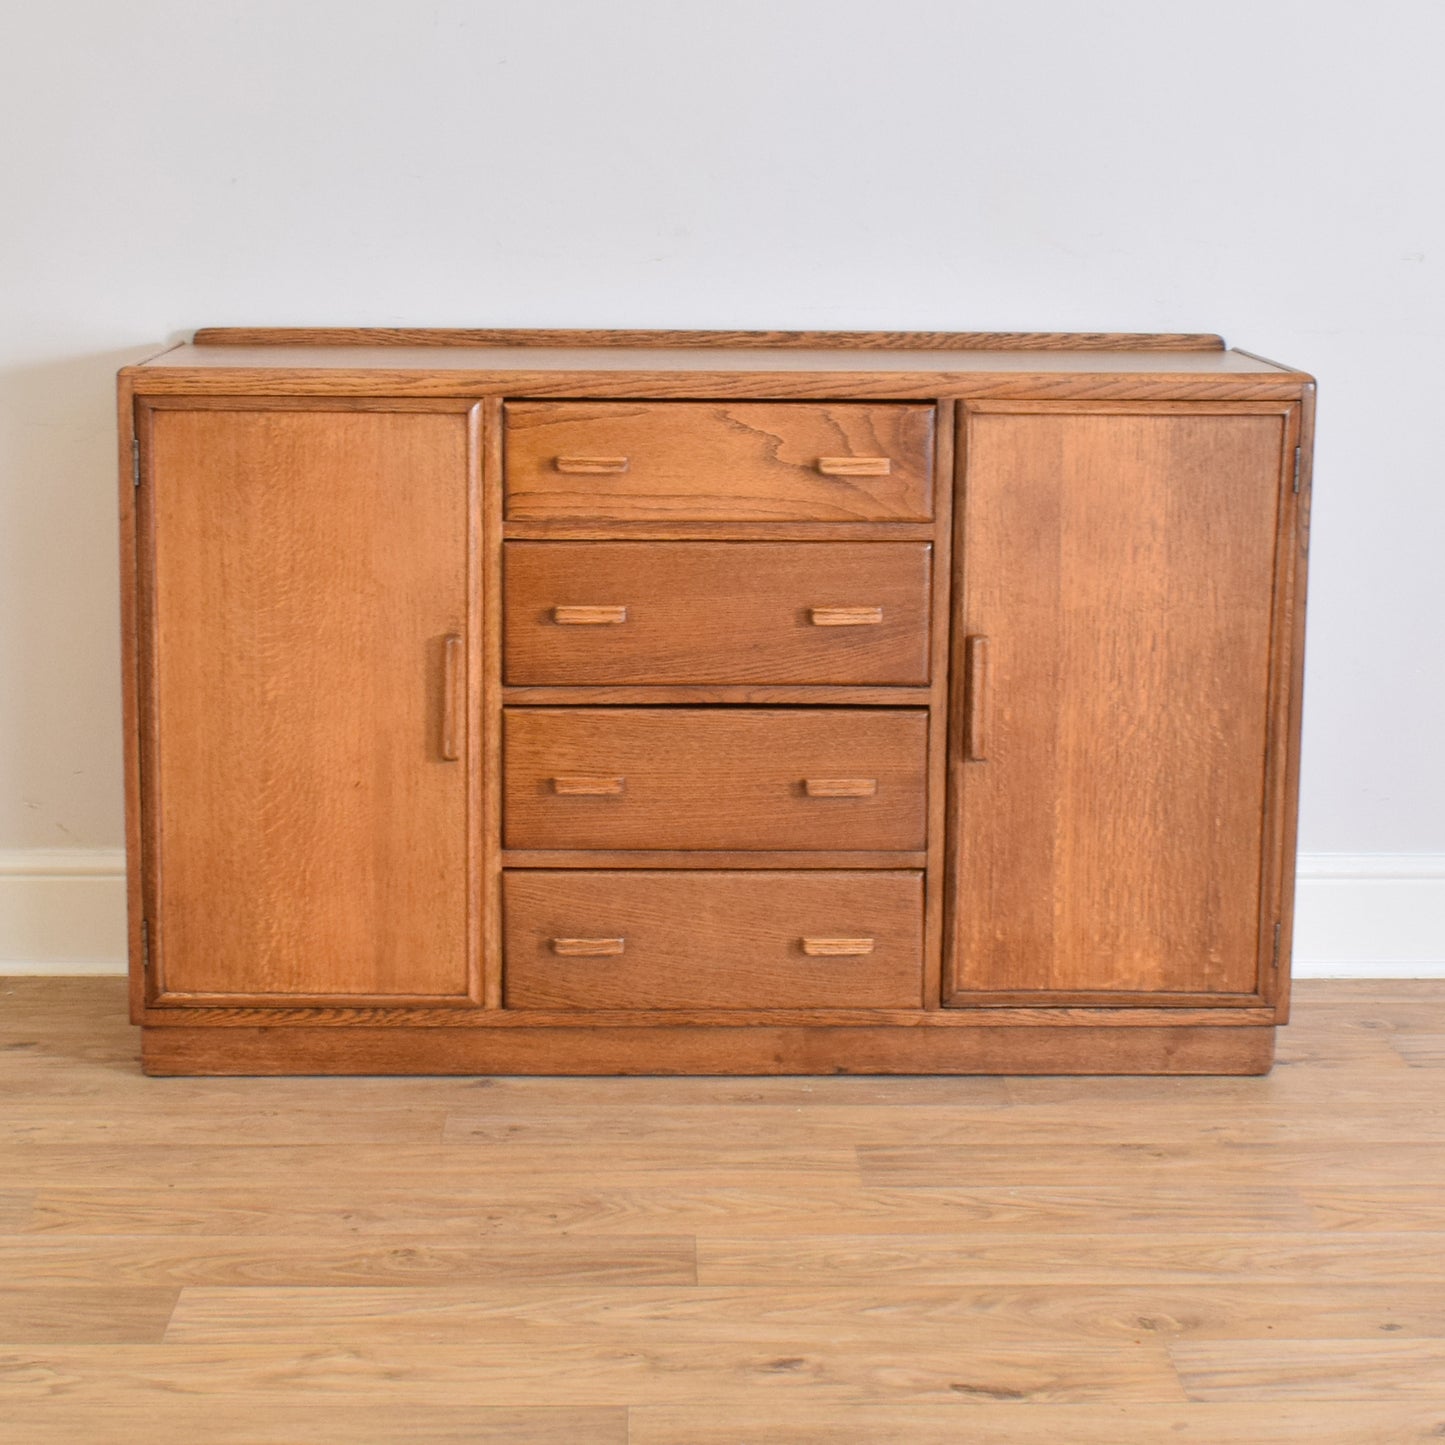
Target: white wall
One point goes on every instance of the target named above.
(1264, 168)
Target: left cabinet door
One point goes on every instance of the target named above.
(305, 703)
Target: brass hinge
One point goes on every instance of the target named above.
(1298, 459)
(1274, 960)
(135, 464)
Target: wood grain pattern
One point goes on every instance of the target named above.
(748, 462)
(106, 1314)
(271, 1413)
(814, 415)
(699, 939)
(869, 340)
(926, 1258)
(293, 698)
(763, 376)
(715, 778)
(694, 1047)
(1122, 566)
(1003, 1423)
(718, 612)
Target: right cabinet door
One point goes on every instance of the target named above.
(1119, 737)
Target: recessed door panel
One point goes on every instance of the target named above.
(305, 578)
(1113, 645)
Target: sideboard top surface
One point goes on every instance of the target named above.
(901, 364)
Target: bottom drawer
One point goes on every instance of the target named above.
(645, 939)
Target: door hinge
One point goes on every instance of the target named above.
(145, 946)
(1274, 958)
(135, 464)
(1298, 459)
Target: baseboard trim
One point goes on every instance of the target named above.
(1370, 915)
(62, 911)
(1357, 915)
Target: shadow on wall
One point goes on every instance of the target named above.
(60, 730)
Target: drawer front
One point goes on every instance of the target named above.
(754, 778)
(677, 940)
(717, 612)
(719, 461)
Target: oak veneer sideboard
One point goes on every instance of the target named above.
(653, 702)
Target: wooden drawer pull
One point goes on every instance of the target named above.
(840, 787)
(588, 947)
(845, 616)
(591, 466)
(855, 466)
(588, 616)
(836, 947)
(576, 786)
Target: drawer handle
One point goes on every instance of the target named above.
(588, 616)
(836, 947)
(846, 616)
(590, 466)
(450, 745)
(589, 787)
(588, 947)
(840, 787)
(855, 466)
(975, 727)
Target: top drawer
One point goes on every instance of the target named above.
(744, 461)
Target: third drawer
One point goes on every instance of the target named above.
(745, 940)
(715, 778)
(717, 612)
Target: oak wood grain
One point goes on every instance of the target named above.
(47, 1313)
(698, 939)
(918, 1258)
(715, 778)
(661, 1048)
(293, 698)
(813, 376)
(731, 613)
(1285, 1422)
(870, 340)
(745, 462)
(581, 1373)
(1123, 568)
(153, 1410)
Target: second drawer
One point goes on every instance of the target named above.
(716, 612)
(674, 940)
(715, 778)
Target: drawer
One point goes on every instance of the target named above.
(741, 778)
(677, 940)
(719, 461)
(717, 612)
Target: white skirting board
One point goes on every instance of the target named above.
(1358, 915)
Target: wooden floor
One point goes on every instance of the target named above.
(829, 1261)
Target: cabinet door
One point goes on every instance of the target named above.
(1113, 802)
(304, 704)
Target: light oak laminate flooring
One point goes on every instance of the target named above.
(826, 1261)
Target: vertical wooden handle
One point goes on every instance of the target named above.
(451, 698)
(975, 668)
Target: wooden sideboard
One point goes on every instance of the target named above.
(657, 702)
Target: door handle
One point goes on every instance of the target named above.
(451, 698)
